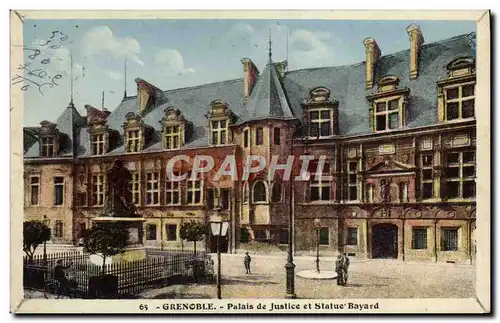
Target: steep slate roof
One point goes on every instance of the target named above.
(275, 97)
(267, 98)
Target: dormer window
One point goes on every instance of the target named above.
(321, 113)
(98, 141)
(136, 133)
(456, 92)
(47, 146)
(49, 136)
(220, 117)
(176, 129)
(388, 105)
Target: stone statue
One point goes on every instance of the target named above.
(119, 202)
(384, 191)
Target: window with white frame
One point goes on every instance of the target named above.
(98, 189)
(259, 192)
(173, 191)
(194, 190)
(97, 144)
(426, 177)
(34, 190)
(459, 101)
(48, 146)
(321, 122)
(171, 232)
(151, 232)
(460, 174)
(152, 188)
(135, 187)
(388, 114)
(172, 137)
(58, 190)
(320, 185)
(219, 132)
(352, 182)
(133, 141)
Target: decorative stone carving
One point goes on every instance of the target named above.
(387, 149)
(426, 143)
(460, 140)
(352, 152)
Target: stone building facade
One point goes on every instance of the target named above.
(397, 134)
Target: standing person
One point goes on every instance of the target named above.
(60, 275)
(247, 261)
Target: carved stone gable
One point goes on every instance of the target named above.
(388, 165)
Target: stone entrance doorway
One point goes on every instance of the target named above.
(384, 241)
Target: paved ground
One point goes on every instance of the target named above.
(367, 279)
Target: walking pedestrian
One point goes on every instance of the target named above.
(247, 261)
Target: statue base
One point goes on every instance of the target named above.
(135, 249)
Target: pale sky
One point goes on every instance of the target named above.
(180, 53)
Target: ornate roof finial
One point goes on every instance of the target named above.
(270, 45)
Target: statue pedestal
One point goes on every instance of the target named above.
(135, 249)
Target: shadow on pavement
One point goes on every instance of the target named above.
(248, 280)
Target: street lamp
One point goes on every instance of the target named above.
(46, 221)
(219, 229)
(317, 224)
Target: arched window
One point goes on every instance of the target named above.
(245, 193)
(277, 192)
(369, 193)
(403, 192)
(259, 192)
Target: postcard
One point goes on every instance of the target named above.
(245, 162)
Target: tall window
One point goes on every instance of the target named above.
(151, 232)
(47, 146)
(58, 190)
(218, 198)
(98, 144)
(171, 232)
(135, 187)
(352, 236)
(276, 193)
(172, 137)
(419, 238)
(259, 192)
(320, 186)
(173, 191)
(133, 141)
(58, 229)
(34, 190)
(194, 189)
(460, 101)
(449, 238)
(320, 121)
(427, 176)
(460, 174)
(98, 187)
(352, 182)
(387, 115)
(259, 136)
(276, 137)
(219, 132)
(246, 138)
(324, 236)
(152, 188)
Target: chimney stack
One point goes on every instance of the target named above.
(250, 74)
(372, 55)
(416, 42)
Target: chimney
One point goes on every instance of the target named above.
(250, 73)
(281, 68)
(372, 55)
(416, 42)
